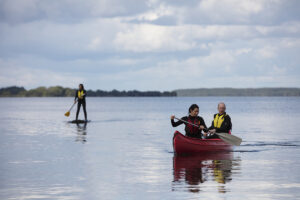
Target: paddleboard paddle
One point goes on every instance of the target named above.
(67, 114)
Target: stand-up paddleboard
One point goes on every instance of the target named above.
(79, 121)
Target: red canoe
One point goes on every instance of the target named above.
(187, 145)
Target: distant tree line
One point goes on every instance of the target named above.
(239, 92)
(58, 91)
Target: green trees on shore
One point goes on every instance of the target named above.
(58, 91)
(239, 92)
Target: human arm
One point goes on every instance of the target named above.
(175, 124)
(76, 96)
(84, 93)
(202, 124)
(212, 129)
(212, 126)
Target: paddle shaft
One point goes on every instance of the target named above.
(190, 123)
(187, 122)
(73, 105)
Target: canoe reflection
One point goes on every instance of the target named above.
(191, 171)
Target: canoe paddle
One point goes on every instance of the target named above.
(230, 139)
(67, 114)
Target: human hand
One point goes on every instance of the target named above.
(212, 131)
(201, 127)
(172, 117)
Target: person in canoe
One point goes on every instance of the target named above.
(220, 124)
(191, 131)
(80, 97)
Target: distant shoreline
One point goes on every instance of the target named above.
(58, 91)
(239, 92)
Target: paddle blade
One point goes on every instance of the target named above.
(67, 114)
(230, 139)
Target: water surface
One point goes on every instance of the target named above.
(126, 152)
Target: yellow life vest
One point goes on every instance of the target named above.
(219, 120)
(80, 93)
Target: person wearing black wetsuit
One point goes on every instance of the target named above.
(80, 97)
(191, 131)
(221, 123)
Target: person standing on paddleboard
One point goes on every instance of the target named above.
(80, 97)
(220, 124)
(191, 131)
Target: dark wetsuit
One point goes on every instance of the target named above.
(191, 131)
(224, 128)
(81, 102)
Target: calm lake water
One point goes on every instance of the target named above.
(126, 151)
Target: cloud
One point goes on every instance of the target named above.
(66, 11)
(14, 74)
(259, 12)
(152, 38)
(267, 52)
(150, 44)
(146, 37)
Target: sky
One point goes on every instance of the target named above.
(150, 45)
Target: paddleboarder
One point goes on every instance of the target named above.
(192, 118)
(80, 97)
(220, 124)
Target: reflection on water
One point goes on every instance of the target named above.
(192, 171)
(81, 133)
(124, 153)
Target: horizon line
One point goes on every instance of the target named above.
(206, 88)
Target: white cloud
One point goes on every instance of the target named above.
(171, 74)
(267, 52)
(229, 11)
(146, 37)
(161, 10)
(232, 6)
(14, 74)
(95, 43)
(141, 44)
(67, 11)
